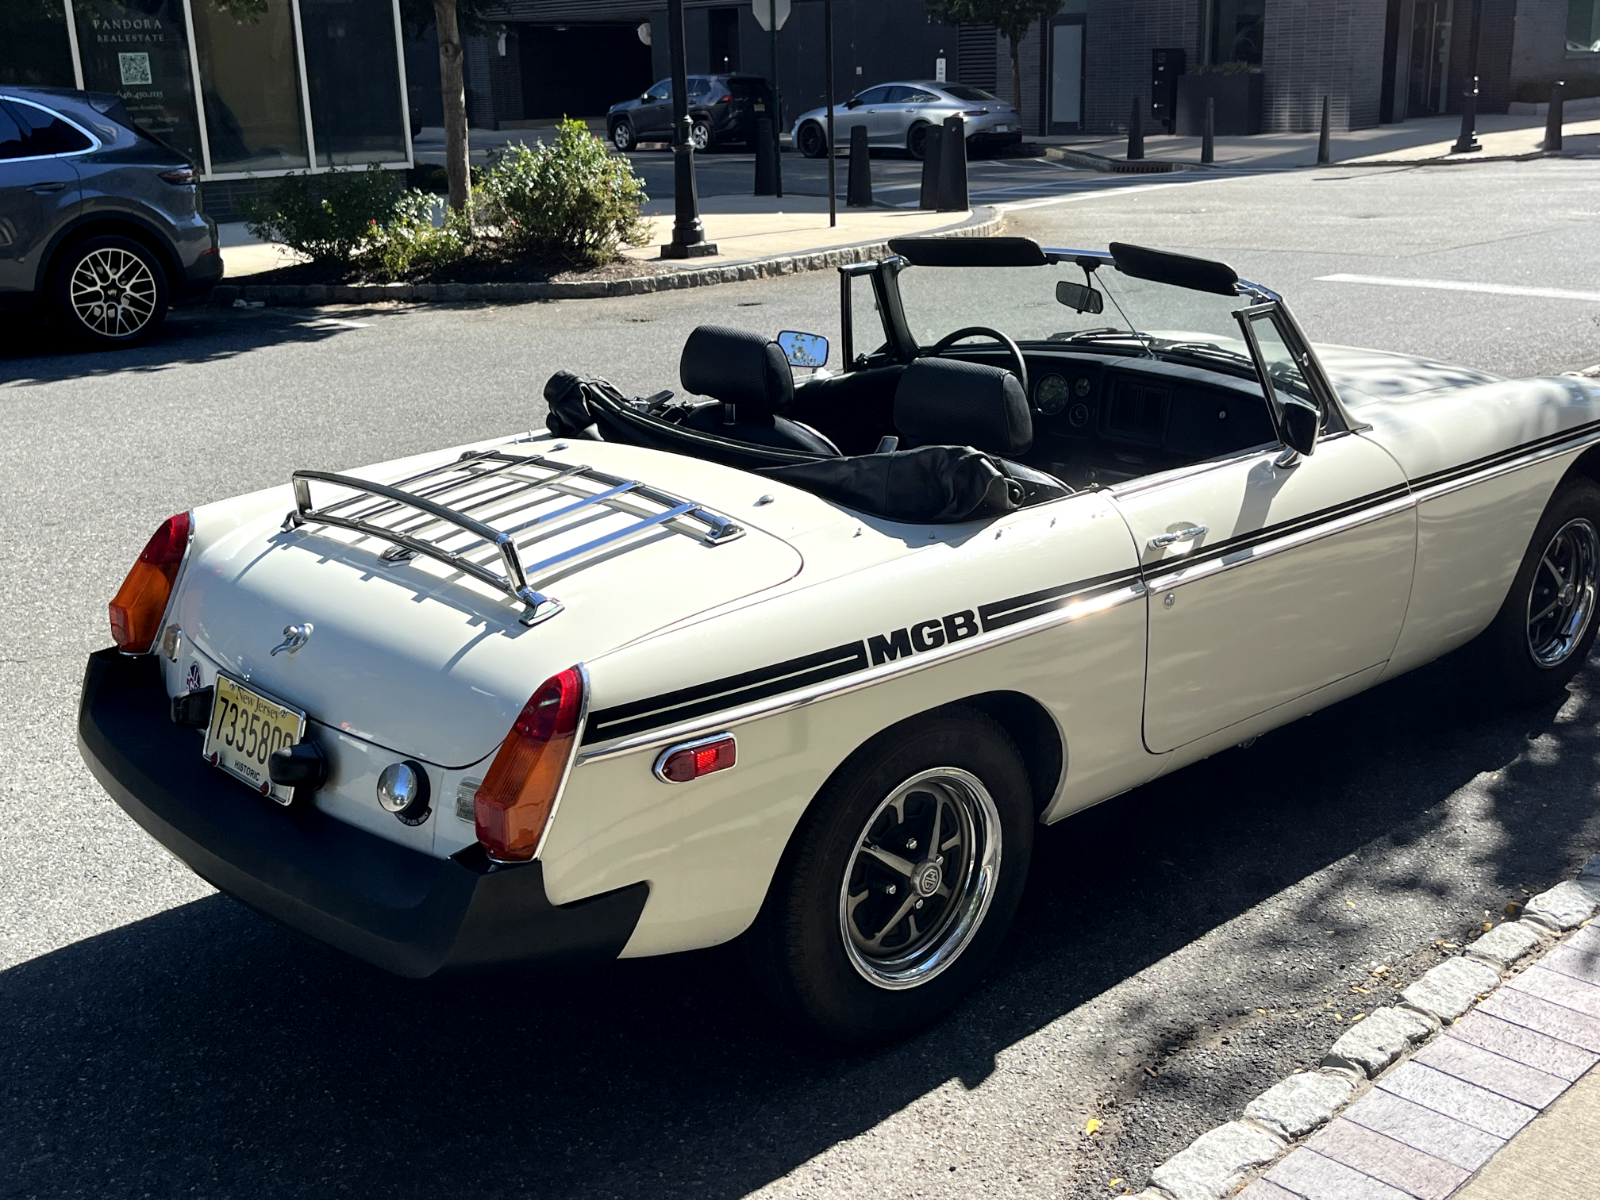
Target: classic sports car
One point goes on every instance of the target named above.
(803, 662)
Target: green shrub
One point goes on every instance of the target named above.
(572, 200)
(409, 240)
(325, 217)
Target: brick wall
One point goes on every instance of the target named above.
(1539, 47)
(1118, 39)
(1313, 48)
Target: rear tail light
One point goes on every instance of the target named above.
(723, 99)
(513, 804)
(140, 602)
(973, 112)
(181, 176)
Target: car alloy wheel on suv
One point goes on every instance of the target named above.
(109, 291)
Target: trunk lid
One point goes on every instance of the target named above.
(427, 661)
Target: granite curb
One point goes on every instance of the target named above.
(1416, 1096)
(983, 223)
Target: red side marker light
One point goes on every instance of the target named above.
(680, 764)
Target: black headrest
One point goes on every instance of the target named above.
(947, 402)
(737, 367)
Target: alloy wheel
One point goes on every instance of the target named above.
(1561, 601)
(921, 878)
(700, 135)
(113, 292)
(622, 136)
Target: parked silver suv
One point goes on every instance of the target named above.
(99, 221)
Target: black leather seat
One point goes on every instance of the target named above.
(948, 402)
(748, 377)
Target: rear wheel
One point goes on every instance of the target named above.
(813, 143)
(917, 140)
(1546, 627)
(700, 134)
(622, 136)
(109, 291)
(898, 887)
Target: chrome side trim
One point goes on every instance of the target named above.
(1577, 443)
(661, 759)
(729, 719)
(1180, 574)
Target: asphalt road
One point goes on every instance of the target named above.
(1180, 947)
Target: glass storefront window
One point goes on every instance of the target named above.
(345, 41)
(250, 80)
(1236, 30)
(34, 50)
(1583, 26)
(139, 49)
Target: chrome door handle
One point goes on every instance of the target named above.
(1162, 540)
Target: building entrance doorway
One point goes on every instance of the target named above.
(1430, 57)
(1064, 107)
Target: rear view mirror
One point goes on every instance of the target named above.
(804, 349)
(1079, 298)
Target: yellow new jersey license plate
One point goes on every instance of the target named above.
(246, 727)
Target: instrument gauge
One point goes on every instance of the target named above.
(1051, 394)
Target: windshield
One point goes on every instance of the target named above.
(1021, 302)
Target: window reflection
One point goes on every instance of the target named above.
(249, 78)
(355, 81)
(140, 51)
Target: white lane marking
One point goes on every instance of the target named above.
(1454, 285)
(338, 323)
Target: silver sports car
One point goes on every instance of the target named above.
(899, 114)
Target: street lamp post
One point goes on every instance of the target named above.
(1468, 141)
(688, 235)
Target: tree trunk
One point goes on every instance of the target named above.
(1016, 73)
(453, 91)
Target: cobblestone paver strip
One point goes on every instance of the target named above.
(1508, 1049)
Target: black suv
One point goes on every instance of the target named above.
(722, 109)
(99, 221)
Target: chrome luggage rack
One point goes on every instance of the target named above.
(483, 480)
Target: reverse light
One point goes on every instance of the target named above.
(514, 802)
(140, 602)
(680, 764)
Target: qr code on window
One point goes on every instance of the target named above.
(135, 69)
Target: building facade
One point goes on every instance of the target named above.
(245, 88)
(1376, 61)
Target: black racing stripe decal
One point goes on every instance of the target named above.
(730, 692)
(1033, 604)
(1488, 461)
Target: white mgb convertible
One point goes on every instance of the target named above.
(803, 661)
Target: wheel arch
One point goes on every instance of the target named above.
(120, 224)
(1586, 465)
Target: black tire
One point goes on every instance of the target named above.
(812, 141)
(701, 136)
(917, 140)
(622, 135)
(109, 291)
(1543, 633)
(809, 947)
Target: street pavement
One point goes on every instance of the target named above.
(1180, 948)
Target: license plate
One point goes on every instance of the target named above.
(246, 727)
(760, 107)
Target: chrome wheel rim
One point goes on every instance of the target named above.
(699, 136)
(1561, 600)
(622, 137)
(113, 292)
(921, 878)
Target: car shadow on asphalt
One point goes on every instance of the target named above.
(32, 351)
(208, 1051)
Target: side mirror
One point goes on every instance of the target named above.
(803, 349)
(1302, 421)
(1080, 298)
(853, 102)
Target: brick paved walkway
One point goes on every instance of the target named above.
(1468, 1107)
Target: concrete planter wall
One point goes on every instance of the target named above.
(1238, 104)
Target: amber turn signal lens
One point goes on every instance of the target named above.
(141, 601)
(514, 802)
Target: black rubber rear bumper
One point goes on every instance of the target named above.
(396, 908)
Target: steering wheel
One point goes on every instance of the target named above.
(1019, 368)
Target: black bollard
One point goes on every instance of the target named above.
(1208, 139)
(1136, 132)
(929, 197)
(1324, 150)
(858, 192)
(1553, 118)
(766, 160)
(953, 166)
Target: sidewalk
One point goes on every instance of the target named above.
(1427, 138)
